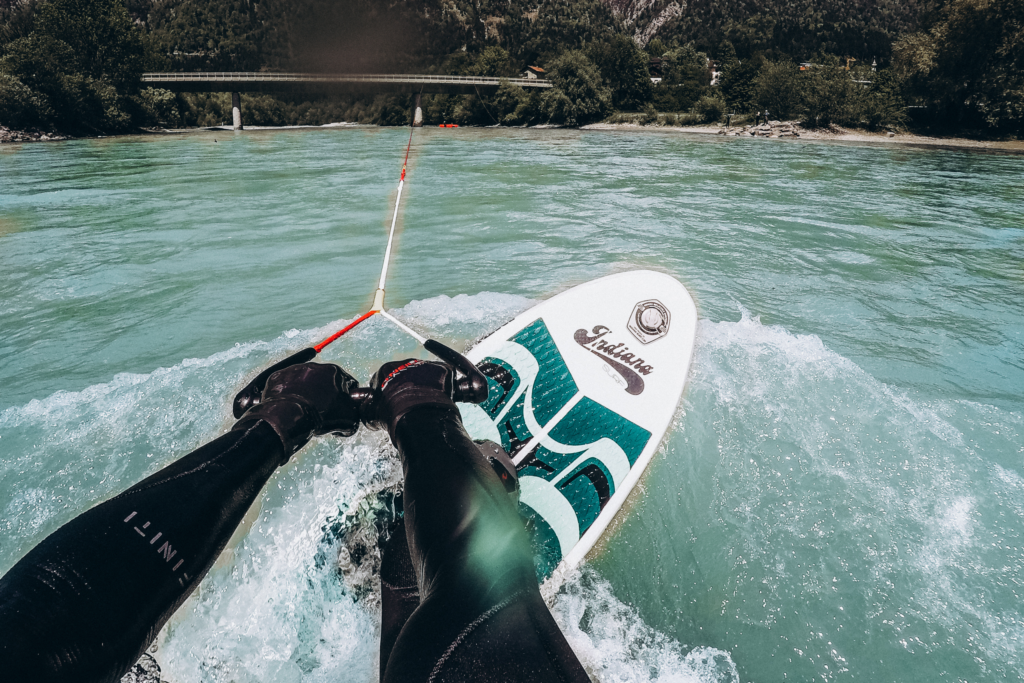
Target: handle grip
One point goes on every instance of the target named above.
(472, 387)
(253, 391)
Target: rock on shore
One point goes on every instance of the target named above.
(8, 135)
(772, 129)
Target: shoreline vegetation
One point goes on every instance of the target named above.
(937, 68)
(775, 132)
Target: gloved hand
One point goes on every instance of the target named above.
(306, 400)
(403, 385)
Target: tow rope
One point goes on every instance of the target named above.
(378, 296)
(471, 387)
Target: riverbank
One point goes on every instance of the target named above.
(792, 130)
(789, 130)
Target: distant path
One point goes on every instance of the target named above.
(239, 82)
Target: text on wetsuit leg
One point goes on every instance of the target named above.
(166, 550)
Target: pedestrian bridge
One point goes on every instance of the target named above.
(239, 82)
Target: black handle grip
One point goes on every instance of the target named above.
(472, 388)
(253, 391)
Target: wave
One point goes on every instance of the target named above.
(845, 520)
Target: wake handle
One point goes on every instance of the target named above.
(252, 394)
(470, 387)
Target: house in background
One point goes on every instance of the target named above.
(716, 72)
(656, 69)
(533, 72)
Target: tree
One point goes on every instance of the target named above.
(106, 43)
(578, 96)
(687, 76)
(754, 35)
(830, 95)
(624, 67)
(17, 20)
(536, 32)
(737, 83)
(884, 104)
(48, 68)
(494, 62)
(656, 48)
(81, 62)
(969, 66)
(777, 87)
(686, 64)
(514, 106)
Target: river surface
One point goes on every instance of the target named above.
(841, 497)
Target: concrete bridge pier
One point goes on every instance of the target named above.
(417, 112)
(236, 111)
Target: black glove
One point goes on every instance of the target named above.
(305, 400)
(403, 385)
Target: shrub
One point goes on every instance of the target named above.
(513, 106)
(20, 106)
(159, 107)
(649, 115)
(709, 108)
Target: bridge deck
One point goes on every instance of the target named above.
(329, 83)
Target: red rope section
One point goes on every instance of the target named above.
(407, 148)
(320, 347)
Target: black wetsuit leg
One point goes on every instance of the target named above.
(481, 616)
(86, 602)
(399, 590)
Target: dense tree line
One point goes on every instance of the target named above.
(73, 65)
(864, 29)
(966, 65)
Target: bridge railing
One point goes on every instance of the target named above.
(279, 77)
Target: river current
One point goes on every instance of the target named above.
(841, 497)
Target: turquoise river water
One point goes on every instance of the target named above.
(841, 497)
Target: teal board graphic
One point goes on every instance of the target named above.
(578, 462)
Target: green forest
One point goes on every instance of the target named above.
(946, 66)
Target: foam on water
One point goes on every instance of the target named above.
(275, 607)
(847, 521)
(615, 645)
(829, 485)
(279, 614)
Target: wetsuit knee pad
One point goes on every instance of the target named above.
(502, 466)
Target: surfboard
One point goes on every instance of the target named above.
(581, 390)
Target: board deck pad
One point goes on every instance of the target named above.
(582, 388)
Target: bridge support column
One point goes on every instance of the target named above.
(417, 112)
(236, 111)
